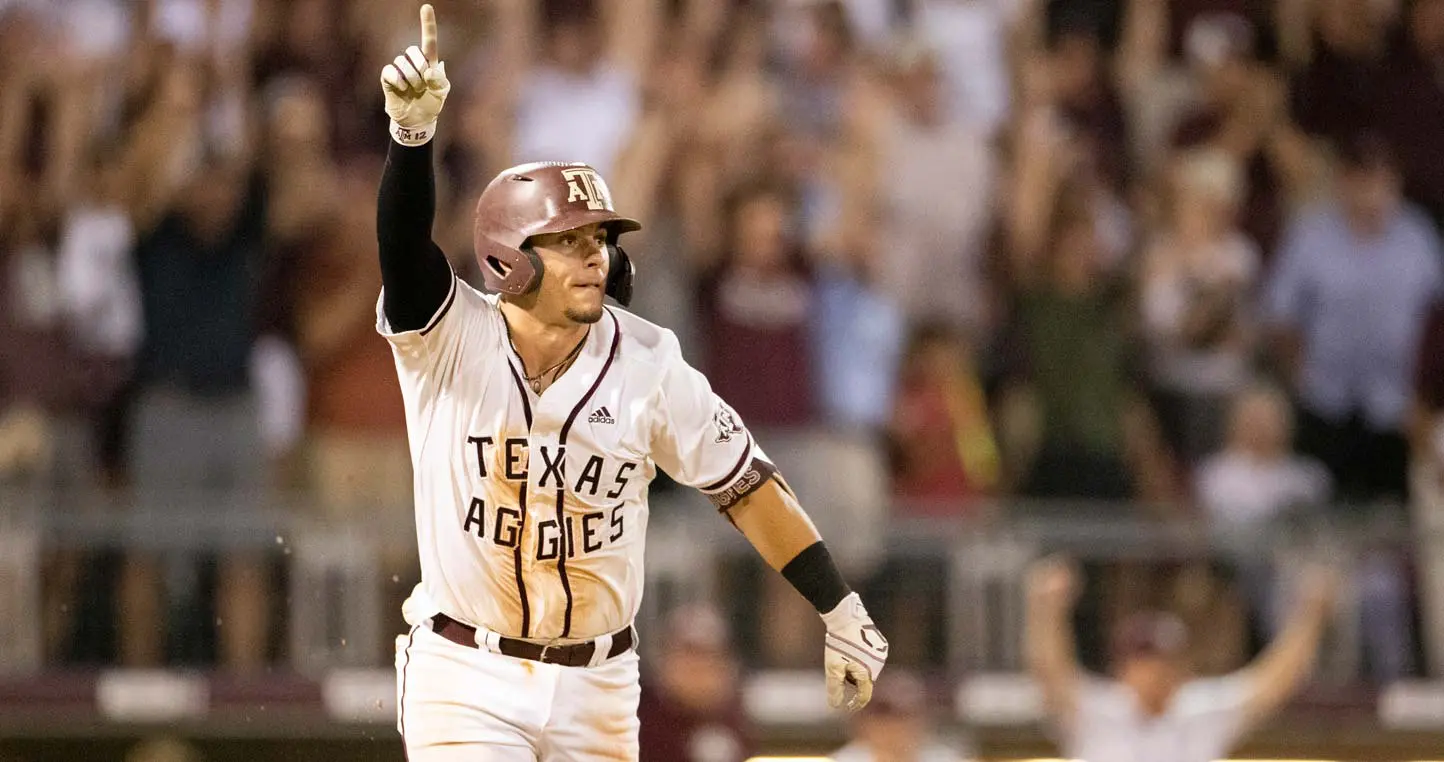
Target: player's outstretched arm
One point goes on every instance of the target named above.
(773, 521)
(415, 275)
(1052, 588)
(1277, 673)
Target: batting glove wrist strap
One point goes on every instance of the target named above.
(854, 655)
(412, 136)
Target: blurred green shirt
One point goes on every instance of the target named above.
(1078, 358)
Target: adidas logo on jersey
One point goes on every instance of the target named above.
(601, 415)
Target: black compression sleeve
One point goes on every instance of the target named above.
(814, 575)
(414, 272)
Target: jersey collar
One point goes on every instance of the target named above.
(560, 403)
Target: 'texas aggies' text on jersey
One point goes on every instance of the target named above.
(531, 510)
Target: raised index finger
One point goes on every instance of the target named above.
(428, 34)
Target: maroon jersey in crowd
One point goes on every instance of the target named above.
(673, 733)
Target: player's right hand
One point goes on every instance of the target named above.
(416, 87)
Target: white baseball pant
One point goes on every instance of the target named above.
(457, 703)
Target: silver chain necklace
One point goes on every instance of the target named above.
(535, 382)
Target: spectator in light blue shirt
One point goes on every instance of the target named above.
(1354, 281)
(857, 343)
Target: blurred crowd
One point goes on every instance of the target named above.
(1180, 253)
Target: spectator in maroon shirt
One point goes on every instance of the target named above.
(757, 304)
(691, 709)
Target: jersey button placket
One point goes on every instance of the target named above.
(548, 460)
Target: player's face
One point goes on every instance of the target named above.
(575, 274)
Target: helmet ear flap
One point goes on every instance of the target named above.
(536, 268)
(535, 260)
(620, 274)
(507, 270)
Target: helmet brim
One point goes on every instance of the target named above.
(616, 223)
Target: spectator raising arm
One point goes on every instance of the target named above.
(1038, 154)
(633, 28)
(1143, 45)
(1277, 673)
(1152, 706)
(1049, 648)
(493, 110)
(668, 122)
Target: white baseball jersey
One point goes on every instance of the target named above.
(1202, 723)
(531, 510)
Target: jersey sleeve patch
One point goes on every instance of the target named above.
(726, 422)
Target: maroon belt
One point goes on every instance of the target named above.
(572, 655)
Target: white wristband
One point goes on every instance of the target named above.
(412, 136)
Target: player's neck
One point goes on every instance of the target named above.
(540, 344)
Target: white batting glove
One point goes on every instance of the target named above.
(854, 656)
(416, 87)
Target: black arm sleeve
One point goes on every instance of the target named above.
(414, 272)
(817, 578)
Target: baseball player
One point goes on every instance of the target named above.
(1152, 708)
(537, 416)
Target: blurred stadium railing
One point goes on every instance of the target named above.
(326, 688)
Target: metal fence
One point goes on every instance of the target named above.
(334, 607)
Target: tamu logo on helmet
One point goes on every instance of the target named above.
(587, 186)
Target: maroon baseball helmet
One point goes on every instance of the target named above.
(537, 199)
